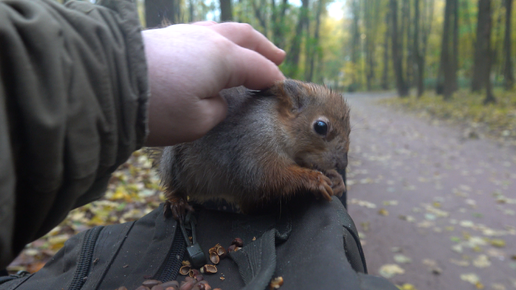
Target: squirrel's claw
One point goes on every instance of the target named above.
(338, 187)
(178, 207)
(325, 189)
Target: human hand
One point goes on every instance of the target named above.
(189, 64)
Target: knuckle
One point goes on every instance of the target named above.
(246, 28)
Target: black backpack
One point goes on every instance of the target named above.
(310, 244)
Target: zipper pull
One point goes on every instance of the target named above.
(195, 253)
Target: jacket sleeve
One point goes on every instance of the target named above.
(73, 98)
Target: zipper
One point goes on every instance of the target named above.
(173, 262)
(85, 259)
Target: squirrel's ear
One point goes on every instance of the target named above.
(289, 94)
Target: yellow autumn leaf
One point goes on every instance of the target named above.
(499, 243)
(383, 212)
(407, 286)
(57, 242)
(120, 193)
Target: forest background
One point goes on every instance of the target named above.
(453, 57)
(358, 45)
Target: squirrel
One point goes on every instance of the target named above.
(274, 144)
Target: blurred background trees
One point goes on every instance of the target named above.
(367, 45)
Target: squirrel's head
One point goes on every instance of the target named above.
(316, 121)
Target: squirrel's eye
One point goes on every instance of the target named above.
(321, 127)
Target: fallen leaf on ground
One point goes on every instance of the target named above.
(402, 259)
(482, 261)
(363, 203)
(470, 277)
(499, 243)
(390, 202)
(390, 270)
(407, 286)
(383, 212)
(461, 263)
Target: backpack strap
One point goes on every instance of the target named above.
(257, 261)
(352, 245)
(312, 245)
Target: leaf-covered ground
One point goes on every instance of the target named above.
(496, 120)
(435, 206)
(133, 192)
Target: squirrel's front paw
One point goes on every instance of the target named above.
(322, 186)
(178, 207)
(338, 185)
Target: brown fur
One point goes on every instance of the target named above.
(265, 151)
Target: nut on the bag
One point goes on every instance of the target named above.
(214, 258)
(151, 283)
(185, 270)
(217, 252)
(193, 273)
(234, 248)
(238, 242)
(211, 269)
(276, 283)
(197, 283)
(221, 251)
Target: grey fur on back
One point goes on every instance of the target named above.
(265, 149)
(226, 171)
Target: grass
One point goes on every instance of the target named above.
(498, 120)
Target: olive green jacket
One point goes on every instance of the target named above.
(73, 97)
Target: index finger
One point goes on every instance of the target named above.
(250, 69)
(246, 36)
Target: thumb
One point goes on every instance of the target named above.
(214, 110)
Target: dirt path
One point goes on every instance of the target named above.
(430, 204)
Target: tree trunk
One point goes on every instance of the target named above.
(355, 10)
(454, 63)
(160, 13)
(312, 53)
(278, 23)
(407, 43)
(417, 53)
(292, 61)
(258, 13)
(396, 57)
(447, 77)
(385, 74)
(486, 76)
(445, 51)
(274, 22)
(308, 46)
(426, 28)
(191, 17)
(497, 30)
(367, 45)
(482, 45)
(226, 11)
(490, 98)
(508, 70)
(371, 24)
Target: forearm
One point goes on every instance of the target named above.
(73, 93)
